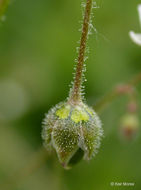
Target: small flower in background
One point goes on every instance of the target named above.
(129, 123)
(129, 126)
(136, 37)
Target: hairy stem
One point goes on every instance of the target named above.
(76, 91)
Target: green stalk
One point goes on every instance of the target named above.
(75, 95)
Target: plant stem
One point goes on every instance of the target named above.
(76, 91)
(117, 91)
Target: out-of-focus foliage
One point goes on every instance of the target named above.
(3, 6)
(38, 43)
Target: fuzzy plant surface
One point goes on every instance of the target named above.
(72, 128)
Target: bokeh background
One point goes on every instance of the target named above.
(38, 41)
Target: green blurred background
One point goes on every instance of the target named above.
(38, 41)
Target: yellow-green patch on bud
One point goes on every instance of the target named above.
(78, 115)
(63, 112)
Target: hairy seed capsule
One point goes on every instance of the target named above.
(74, 131)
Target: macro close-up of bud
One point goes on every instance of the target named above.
(70, 95)
(72, 128)
(74, 131)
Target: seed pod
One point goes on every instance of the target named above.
(129, 126)
(74, 131)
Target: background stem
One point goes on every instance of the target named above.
(117, 91)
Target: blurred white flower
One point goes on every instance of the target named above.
(136, 37)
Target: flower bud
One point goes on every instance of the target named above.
(74, 131)
(129, 126)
